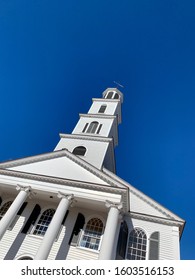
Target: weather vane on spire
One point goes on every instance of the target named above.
(118, 85)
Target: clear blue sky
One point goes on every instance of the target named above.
(57, 55)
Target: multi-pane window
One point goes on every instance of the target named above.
(92, 234)
(137, 245)
(43, 223)
(4, 208)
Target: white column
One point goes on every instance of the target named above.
(13, 209)
(54, 227)
(108, 240)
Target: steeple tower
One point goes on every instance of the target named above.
(110, 219)
(96, 133)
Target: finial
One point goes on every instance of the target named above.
(118, 85)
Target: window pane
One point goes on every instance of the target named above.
(92, 127)
(85, 127)
(99, 128)
(116, 96)
(109, 95)
(92, 234)
(102, 109)
(137, 245)
(44, 222)
(80, 151)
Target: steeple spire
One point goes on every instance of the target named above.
(96, 133)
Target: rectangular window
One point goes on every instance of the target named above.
(85, 127)
(102, 109)
(99, 128)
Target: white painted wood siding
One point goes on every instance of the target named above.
(168, 249)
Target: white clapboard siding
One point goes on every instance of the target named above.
(167, 246)
(76, 253)
(141, 204)
(12, 238)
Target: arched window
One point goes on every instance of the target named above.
(110, 94)
(25, 258)
(4, 208)
(102, 109)
(92, 127)
(154, 246)
(116, 96)
(92, 234)
(122, 241)
(43, 223)
(137, 245)
(80, 151)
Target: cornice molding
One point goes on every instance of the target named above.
(112, 186)
(86, 137)
(155, 219)
(32, 159)
(98, 116)
(153, 205)
(106, 100)
(59, 181)
(143, 197)
(87, 166)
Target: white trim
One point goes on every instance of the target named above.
(147, 241)
(24, 255)
(31, 231)
(83, 231)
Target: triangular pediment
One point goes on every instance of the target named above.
(64, 165)
(60, 164)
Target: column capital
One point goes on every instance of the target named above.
(110, 204)
(70, 197)
(23, 188)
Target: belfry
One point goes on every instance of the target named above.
(69, 204)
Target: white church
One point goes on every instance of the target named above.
(69, 204)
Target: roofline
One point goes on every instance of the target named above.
(134, 190)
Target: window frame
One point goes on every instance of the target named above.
(140, 249)
(82, 235)
(112, 94)
(102, 108)
(40, 225)
(89, 128)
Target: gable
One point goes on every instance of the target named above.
(55, 164)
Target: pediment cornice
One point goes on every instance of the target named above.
(155, 205)
(5, 169)
(155, 219)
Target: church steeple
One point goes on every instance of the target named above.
(96, 133)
